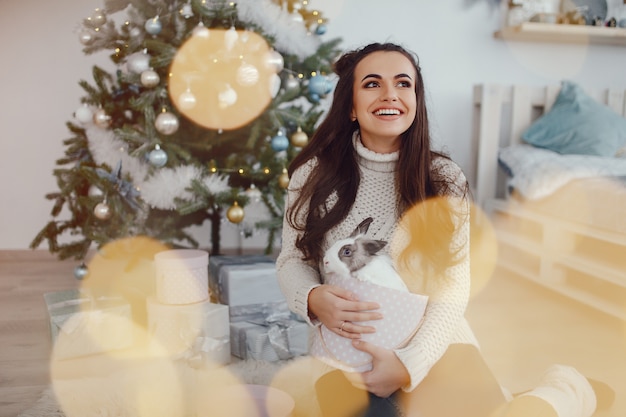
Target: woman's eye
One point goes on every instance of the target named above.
(371, 84)
(405, 84)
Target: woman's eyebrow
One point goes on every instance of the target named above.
(402, 75)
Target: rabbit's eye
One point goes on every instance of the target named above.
(346, 252)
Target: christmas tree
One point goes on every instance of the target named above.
(208, 102)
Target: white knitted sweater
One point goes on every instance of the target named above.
(444, 321)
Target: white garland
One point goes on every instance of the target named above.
(158, 190)
(290, 35)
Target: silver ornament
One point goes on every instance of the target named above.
(84, 114)
(166, 123)
(201, 31)
(275, 60)
(153, 26)
(292, 83)
(95, 192)
(157, 157)
(81, 271)
(186, 11)
(150, 78)
(98, 17)
(102, 211)
(102, 119)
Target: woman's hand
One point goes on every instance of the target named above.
(388, 373)
(340, 311)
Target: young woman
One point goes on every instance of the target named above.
(372, 157)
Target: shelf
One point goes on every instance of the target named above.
(563, 33)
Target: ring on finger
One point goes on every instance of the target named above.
(343, 323)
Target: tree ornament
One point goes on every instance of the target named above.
(166, 123)
(299, 139)
(235, 213)
(320, 29)
(138, 62)
(247, 75)
(153, 26)
(98, 17)
(186, 11)
(95, 192)
(201, 31)
(102, 211)
(227, 97)
(230, 37)
(157, 157)
(280, 141)
(253, 193)
(85, 37)
(80, 271)
(102, 119)
(275, 60)
(283, 180)
(274, 85)
(187, 101)
(318, 84)
(292, 83)
(84, 114)
(150, 78)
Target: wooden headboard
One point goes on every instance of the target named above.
(501, 114)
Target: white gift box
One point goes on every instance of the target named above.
(198, 331)
(182, 276)
(81, 325)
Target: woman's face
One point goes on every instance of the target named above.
(384, 99)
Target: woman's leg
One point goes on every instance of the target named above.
(460, 384)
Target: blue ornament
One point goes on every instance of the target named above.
(314, 98)
(157, 157)
(153, 26)
(320, 29)
(319, 85)
(280, 142)
(81, 271)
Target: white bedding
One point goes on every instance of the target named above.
(536, 173)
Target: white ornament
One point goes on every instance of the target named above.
(230, 37)
(85, 37)
(253, 193)
(157, 157)
(153, 26)
(187, 101)
(84, 114)
(102, 211)
(247, 75)
(274, 85)
(228, 97)
(275, 61)
(138, 62)
(95, 191)
(186, 11)
(166, 123)
(201, 31)
(150, 78)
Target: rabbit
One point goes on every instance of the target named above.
(359, 257)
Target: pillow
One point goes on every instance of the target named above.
(578, 124)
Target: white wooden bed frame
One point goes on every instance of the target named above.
(544, 253)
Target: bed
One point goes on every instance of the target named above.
(551, 175)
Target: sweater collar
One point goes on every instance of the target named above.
(380, 162)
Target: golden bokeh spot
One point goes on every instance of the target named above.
(228, 74)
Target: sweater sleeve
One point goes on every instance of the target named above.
(295, 276)
(445, 312)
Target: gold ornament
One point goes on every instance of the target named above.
(235, 213)
(283, 180)
(299, 139)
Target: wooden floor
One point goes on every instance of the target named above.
(522, 328)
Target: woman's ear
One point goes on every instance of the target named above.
(352, 116)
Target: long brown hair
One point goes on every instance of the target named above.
(337, 169)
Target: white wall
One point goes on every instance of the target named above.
(42, 62)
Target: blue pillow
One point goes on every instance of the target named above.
(578, 124)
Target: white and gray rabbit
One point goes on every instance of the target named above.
(359, 257)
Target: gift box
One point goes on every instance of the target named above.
(242, 280)
(198, 332)
(82, 325)
(269, 340)
(182, 276)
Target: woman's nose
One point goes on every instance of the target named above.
(389, 94)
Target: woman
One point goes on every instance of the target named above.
(372, 157)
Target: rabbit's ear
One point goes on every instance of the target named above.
(374, 246)
(361, 229)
